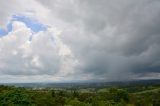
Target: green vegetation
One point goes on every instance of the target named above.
(110, 96)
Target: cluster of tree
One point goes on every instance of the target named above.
(11, 96)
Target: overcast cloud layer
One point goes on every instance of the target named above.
(84, 40)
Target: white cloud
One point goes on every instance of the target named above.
(30, 8)
(45, 54)
(84, 40)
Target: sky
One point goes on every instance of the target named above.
(79, 40)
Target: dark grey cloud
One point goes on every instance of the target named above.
(105, 40)
(113, 39)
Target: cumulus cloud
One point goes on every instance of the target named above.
(30, 8)
(44, 54)
(85, 39)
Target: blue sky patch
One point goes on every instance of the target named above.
(30, 23)
(5, 31)
(34, 25)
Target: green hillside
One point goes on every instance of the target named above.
(109, 96)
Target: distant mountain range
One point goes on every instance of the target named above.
(83, 84)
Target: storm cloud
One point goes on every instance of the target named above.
(84, 40)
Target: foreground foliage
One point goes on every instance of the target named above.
(117, 96)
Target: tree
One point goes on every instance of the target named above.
(15, 97)
(53, 93)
